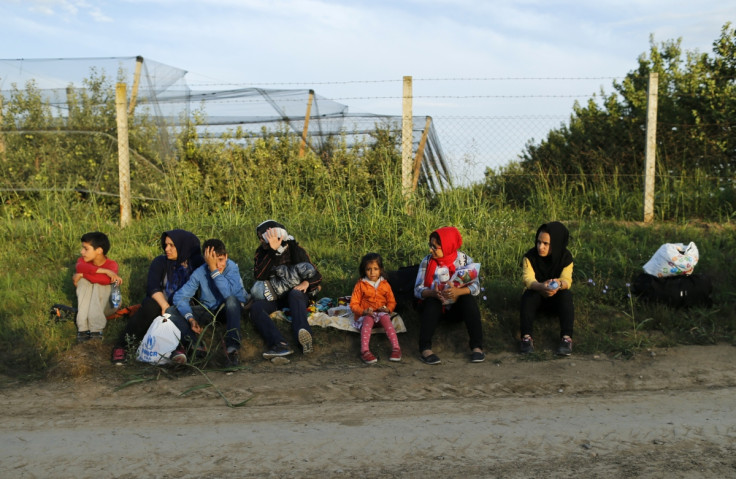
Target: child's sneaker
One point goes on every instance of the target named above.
(395, 356)
(368, 357)
(95, 335)
(119, 356)
(527, 345)
(82, 336)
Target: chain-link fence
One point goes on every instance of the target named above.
(476, 123)
(473, 144)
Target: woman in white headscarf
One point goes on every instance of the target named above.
(277, 247)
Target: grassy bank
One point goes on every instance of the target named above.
(41, 247)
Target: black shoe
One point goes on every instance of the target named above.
(527, 345)
(96, 335)
(201, 352)
(432, 359)
(277, 351)
(565, 347)
(82, 336)
(232, 359)
(477, 357)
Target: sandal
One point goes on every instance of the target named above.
(432, 359)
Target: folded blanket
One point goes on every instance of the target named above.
(342, 318)
(345, 322)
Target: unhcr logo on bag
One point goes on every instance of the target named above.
(148, 349)
(161, 338)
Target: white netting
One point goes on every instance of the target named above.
(162, 95)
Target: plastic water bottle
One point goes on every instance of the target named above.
(115, 297)
(553, 285)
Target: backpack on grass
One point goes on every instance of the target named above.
(402, 284)
(675, 291)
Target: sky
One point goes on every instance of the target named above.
(358, 51)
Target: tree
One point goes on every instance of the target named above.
(696, 117)
(75, 145)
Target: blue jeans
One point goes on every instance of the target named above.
(227, 312)
(260, 314)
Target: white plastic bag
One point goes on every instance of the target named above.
(673, 259)
(160, 340)
(464, 275)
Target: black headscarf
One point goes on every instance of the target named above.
(559, 256)
(187, 251)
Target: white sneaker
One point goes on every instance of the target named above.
(305, 339)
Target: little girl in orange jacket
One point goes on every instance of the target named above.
(372, 302)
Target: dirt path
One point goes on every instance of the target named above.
(671, 413)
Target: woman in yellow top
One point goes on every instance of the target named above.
(547, 276)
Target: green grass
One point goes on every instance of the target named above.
(337, 226)
(342, 200)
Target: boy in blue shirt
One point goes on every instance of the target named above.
(220, 296)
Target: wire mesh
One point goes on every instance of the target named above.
(477, 124)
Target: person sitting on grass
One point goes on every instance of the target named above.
(168, 272)
(218, 291)
(451, 303)
(372, 302)
(547, 276)
(93, 277)
(277, 247)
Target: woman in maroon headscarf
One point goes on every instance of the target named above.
(454, 304)
(547, 276)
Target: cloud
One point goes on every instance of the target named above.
(99, 16)
(42, 7)
(67, 10)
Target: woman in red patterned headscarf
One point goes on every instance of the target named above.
(438, 301)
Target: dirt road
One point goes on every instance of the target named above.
(668, 413)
